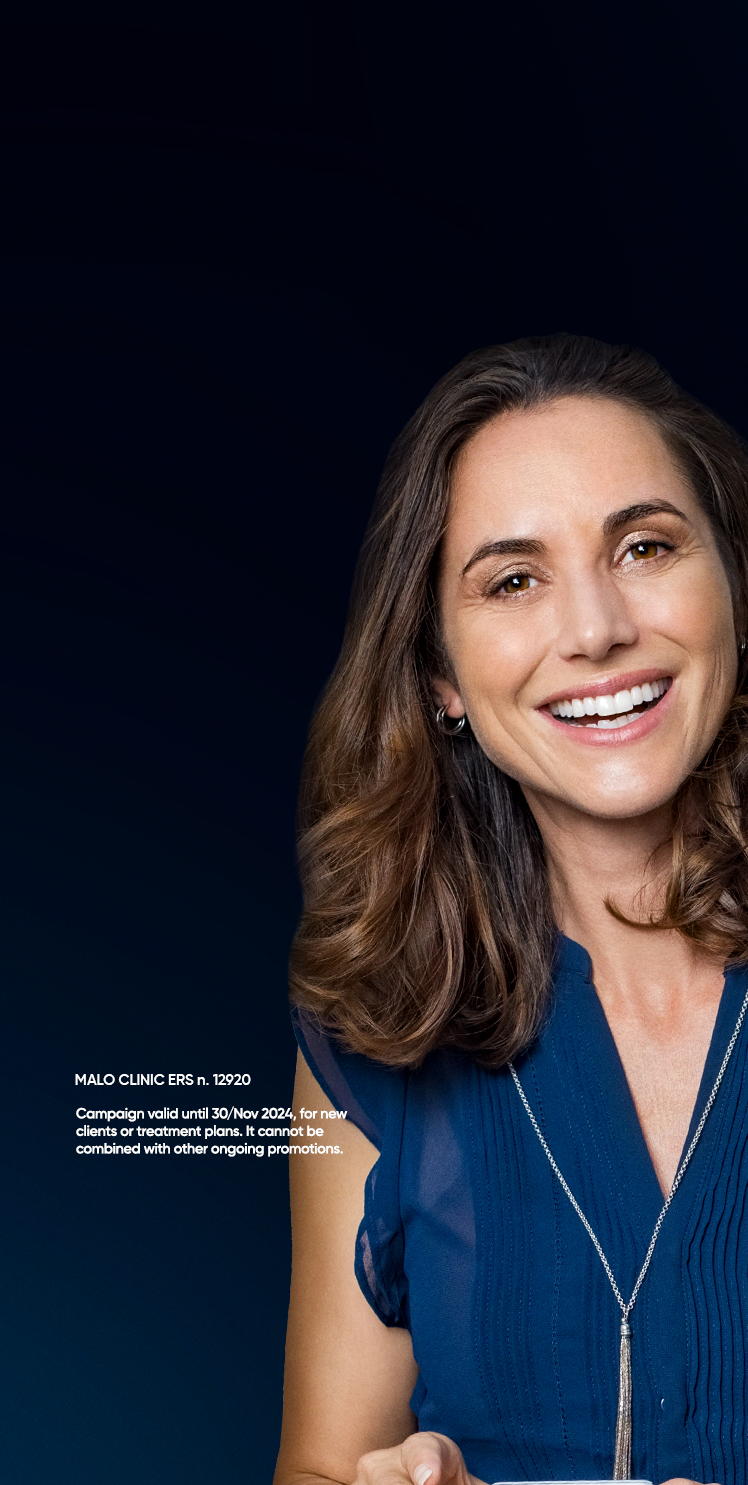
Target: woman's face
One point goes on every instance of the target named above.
(584, 608)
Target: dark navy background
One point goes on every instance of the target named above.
(237, 246)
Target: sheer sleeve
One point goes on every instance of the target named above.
(372, 1097)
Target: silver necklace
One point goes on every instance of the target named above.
(622, 1452)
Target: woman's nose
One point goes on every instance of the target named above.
(594, 617)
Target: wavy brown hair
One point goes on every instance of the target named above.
(427, 918)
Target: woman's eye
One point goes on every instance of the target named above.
(517, 582)
(643, 551)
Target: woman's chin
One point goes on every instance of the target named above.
(634, 800)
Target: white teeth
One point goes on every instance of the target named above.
(612, 710)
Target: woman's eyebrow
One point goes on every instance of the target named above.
(512, 546)
(633, 513)
(530, 546)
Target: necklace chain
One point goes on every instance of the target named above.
(627, 1308)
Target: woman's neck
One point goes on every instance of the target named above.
(660, 991)
(625, 862)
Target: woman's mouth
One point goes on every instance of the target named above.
(611, 711)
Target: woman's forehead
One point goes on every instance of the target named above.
(578, 458)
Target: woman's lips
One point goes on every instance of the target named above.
(611, 708)
(618, 717)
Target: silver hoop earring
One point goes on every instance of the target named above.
(742, 646)
(457, 726)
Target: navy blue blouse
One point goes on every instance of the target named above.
(470, 1242)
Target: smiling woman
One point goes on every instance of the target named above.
(524, 823)
(613, 592)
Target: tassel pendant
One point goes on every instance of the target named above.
(622, 1462)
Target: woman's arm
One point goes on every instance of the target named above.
(348, 1377)
(346, 1414)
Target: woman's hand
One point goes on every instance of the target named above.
(422, 1459)
(428, 1459)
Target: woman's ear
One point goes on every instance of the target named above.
(446, 695)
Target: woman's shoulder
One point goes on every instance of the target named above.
(370, 1093)
(367, 1093)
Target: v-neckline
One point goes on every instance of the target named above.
(618, 1101)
